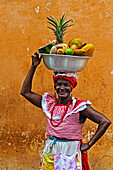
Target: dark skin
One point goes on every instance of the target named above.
(63, 90)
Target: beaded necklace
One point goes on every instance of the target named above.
(52, 120)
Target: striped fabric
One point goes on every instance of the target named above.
(70, 128)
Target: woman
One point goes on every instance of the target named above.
(65, 119)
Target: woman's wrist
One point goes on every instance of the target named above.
(89, 144)
(33, 67)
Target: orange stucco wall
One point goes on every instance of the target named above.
(23, 29)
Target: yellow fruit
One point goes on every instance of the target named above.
(60, 51)
(79, 52)
(69, 51)
(89, 49)
(65, 46)
(73, 47)
(76, 41)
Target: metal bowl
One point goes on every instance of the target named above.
(66, 63)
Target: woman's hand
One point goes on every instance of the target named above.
(84, 147)
(35, 59)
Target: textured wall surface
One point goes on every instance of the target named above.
(23, 29)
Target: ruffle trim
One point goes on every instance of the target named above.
(82, 106)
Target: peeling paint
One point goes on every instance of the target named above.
(107, 14)
(28, 50)
(49, 3)
(37, 9)
(110, 135)
(88, 135)
(112, 72)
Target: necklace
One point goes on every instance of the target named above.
(52, 120)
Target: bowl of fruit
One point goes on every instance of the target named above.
(65, 63)
(72, 56)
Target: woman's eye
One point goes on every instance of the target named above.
(58, 84)
(66, 84)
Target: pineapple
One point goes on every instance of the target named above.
(60, 27)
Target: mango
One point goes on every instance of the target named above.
(76, 41)
(89, 49)
(79, 52)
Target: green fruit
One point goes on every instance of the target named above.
(46, 49)
(69, 51)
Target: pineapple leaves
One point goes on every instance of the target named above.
(52, 24)
(59, 26)
(52, 20)
(66, 23)
(52, 29)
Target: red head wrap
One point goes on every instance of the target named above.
(70, 77)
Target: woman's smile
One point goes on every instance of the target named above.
(62, 92)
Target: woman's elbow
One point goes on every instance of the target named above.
(22, 93)
(107, 122)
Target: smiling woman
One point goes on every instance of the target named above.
(66, 116)
(63, 89)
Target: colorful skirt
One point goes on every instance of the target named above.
(61, 155)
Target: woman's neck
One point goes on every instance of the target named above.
(64, 100)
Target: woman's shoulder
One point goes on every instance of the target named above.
(48, 96)
(48, 99)
(77, 102)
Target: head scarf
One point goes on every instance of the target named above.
(70, 77)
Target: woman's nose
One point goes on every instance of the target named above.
(62, 86)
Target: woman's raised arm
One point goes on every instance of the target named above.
(26, 92)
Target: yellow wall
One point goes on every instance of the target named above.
(22, 32)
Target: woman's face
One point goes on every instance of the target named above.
(63, 88)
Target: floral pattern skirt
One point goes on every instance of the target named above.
(51, 160)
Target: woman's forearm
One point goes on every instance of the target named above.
(100, 131)
(27, 85)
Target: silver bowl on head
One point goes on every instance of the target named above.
(65, 63)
